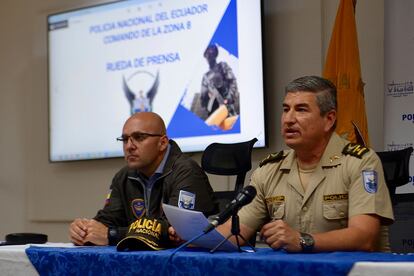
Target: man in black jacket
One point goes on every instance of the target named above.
(157, 172)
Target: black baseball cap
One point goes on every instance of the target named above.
(24, 238)
(145, 234)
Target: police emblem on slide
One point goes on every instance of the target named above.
(186, 200)
(370, 181)
(138, 207)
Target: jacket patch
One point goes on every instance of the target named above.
(355, 150)
(273, 157)
(335, 197)
(108, 198)
(138, 207)
(186, 200)
(370, 181)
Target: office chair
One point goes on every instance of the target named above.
(228, 159)
(396, 169)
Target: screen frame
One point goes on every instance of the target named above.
(102, 5)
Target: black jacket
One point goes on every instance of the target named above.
(127, 201)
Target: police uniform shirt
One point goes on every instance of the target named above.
(348, 181)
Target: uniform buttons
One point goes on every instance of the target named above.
(341, 214)
(305, 209)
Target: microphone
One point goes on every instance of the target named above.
(243, 198)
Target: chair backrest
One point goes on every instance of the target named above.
(229, 159)
(396, 168)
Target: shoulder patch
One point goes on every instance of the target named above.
(273, 157)
(186, 200)
(355, 150)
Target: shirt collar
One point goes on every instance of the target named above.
(159, 170)
(161, 166)
(332, 155)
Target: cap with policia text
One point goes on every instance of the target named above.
(145, 234)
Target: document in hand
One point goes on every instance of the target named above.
(189, 223)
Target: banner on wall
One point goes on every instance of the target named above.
(399, 78)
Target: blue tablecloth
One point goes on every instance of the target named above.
(107, 261)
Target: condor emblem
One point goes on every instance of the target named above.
(138, 207)
(370, 181)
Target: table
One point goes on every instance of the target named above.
(13, 261)
(193, 261)
(382, 269)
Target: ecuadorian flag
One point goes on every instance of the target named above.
(343, 68)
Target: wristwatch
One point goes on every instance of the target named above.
(306, 242)
(112, 236)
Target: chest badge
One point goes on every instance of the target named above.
(138, 207)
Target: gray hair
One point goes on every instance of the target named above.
(324, 89)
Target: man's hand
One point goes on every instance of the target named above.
(172, 235)
(83, 230)
(279, 235)
(97, 233)
(78, 231)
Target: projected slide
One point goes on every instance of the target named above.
(196, 63)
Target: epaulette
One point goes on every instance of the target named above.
(356, 150)
(273, 157)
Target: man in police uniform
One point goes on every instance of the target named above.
(324, 194)
(157, 172)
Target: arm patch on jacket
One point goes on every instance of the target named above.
(273, 157)
(355, 150)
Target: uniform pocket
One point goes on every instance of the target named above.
(335, 210)
(278, 210)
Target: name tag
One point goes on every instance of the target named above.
(335, 197)
(275, 199)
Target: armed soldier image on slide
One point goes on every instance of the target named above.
(219, 96)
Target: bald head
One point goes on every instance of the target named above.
(149, 122)
(145, 142)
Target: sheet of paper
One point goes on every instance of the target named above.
(189, 223)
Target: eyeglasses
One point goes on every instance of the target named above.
(137, 137)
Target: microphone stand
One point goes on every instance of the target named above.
(235, 231)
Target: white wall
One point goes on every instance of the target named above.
(36, 196)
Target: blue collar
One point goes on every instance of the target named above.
(161, 166)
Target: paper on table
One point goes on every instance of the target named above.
(189, 223)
